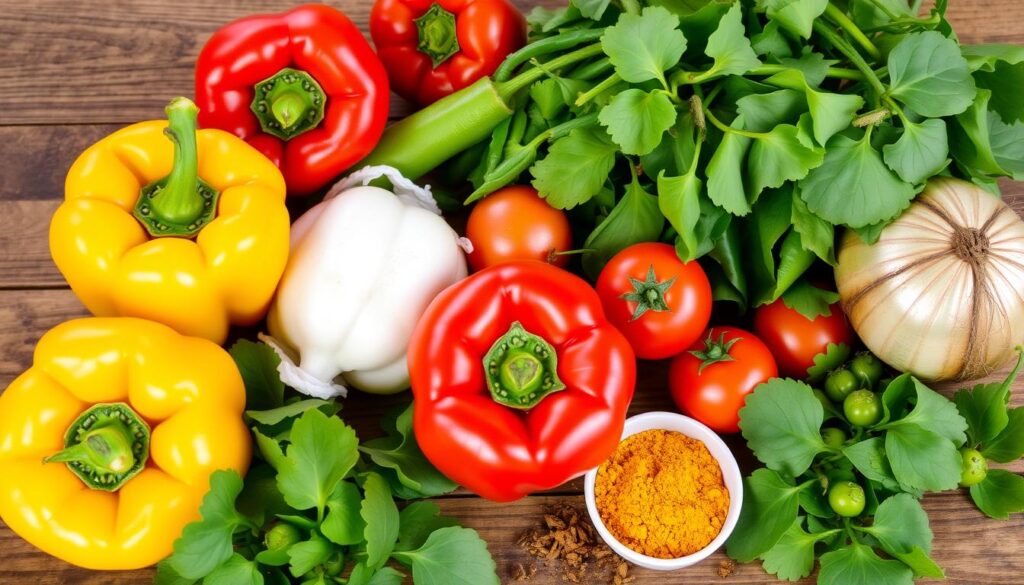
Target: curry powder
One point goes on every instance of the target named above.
(662, 494)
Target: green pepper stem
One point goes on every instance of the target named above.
(178, 202)
(288, 108)
(105, 446)
(521, 369)
(439, 39)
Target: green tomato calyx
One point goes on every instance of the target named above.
(714, 351)
(648, 294)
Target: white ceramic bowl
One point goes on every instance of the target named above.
(670, 421)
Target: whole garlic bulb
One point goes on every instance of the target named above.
(941, 294)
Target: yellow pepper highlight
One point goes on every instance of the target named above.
(226, 275)
(186, 389)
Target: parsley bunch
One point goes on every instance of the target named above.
(747, 131)
(320, 508)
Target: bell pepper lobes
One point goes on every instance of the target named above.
(432, 48)
(520, 382)
(188, 229)
(108, 441)
(303, 87)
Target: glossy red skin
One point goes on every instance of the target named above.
(716, 395)
(324, 43)
(662, 334)
(514, 223)
(502, 453)
(794, 340)
(488, 30)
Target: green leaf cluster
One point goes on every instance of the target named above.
(997, 431)
(317, 505)
(721, 109)
(787, 519)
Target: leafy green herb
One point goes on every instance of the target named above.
(380, 514)
(451, 556)
(399, 452)
(635, 218)
(636, 120)
(258, 363)
(781, 423)
(770, 505)
(575, 168)
(205, 544)
(322, 451)
(929, 75)
(643, 46)
(792, 557)
(796, 16)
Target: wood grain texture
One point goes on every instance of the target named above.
(72, 72)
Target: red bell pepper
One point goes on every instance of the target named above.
(303, 87)
(432, 48)
(521, 384)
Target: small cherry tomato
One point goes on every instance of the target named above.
(867, 368)
(975, 467)
(660, 303)
(833, 437)
(862, 408)
(514, 223)
(711, 381)
(795, 339)
(847, 499)
(839, 384)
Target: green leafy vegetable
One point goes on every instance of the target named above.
(730, 47)
(205, 544)
(643, 46)
(400, 452)
(636, 120)
(857, 564)
(575, 168)
(796, 16)
(792, 557)
(322, 451)
(380, 514)
(920, 151)
(635, 218)
(451, 556)
(257, 363)
(770, 505)
(781, 422)
(1000, 494)
(929, 75)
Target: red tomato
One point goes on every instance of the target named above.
(660, 303)
(794, 340)
(734, 362)
(514, 223)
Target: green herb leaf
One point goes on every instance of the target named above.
(816, 234)
(1008, 446)
(831, 112)
(796, 16)
(643, 46)
(764, 111)
(417, 521)
(813, 65)
(781, 422)
(258, 363)
(920, 151)
(269, 448)
(809, 300)
(343, 524)
(999, 68)
(303, 556)
(929, 74)
(322, 451)
(920, 563)
(970, 139)
(381, 516)
(868, 456)
(792, 558)
(730, 47)
(575, 168)
(857, 564)
(636, 218)
(936, 413)
(901, 524)
(866, 13)
(922, 460)
(985, 410)
(451, 556)
(1007, 141)
(400, 451)
(835, 355)
(636, 120)
(770, 222)
(853, 186)
(207, 543)
(725, 172)
(276, 415)
(592, 9)
(770, 505)
(237, 570)
(166, 575)
(543, 20)
(1000, 494)
(780, 156)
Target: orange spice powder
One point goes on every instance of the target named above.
(662, 494)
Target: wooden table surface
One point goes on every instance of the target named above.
(72, 71)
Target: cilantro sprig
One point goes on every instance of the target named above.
(317, 505)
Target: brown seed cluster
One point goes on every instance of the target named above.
(567, 540)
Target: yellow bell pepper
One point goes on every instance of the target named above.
(188, 229)
(108, 441)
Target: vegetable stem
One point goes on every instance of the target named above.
(630, 6)
(833, 72)
(843, 47)
(888, 11)
(598, 89)
(839, 17)
(729, 129)
(508, 89)
(553, 44)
